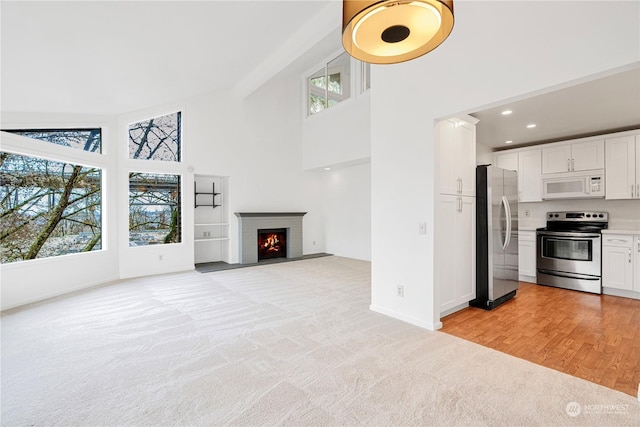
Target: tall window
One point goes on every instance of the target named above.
(48, 208)
(156, 139)
(154, 209)
(329, 85)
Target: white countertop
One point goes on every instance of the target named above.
(620, 231)
(527, 228)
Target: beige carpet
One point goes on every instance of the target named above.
(283, 344)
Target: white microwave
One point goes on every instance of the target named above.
(573, 185)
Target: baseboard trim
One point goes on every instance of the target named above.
(408, 319)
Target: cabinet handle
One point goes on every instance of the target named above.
(616, 240)
(459, 205)
(519, 196)
(638, 191)
(632, 191)
(572, 167)
(569, 165)
(629, 256)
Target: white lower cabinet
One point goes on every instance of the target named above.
(455, 250)
(618, 259)
(527, 255)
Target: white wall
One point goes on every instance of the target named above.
(340, 134)
(346, 208)
(497, 50)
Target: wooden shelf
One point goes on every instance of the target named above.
(211, 239)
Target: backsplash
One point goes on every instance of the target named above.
(623, 214)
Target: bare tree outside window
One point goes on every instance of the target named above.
(48, 208)
(81, 139)
(156, 139)
(154, 209)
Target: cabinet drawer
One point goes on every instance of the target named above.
(617, 240)
(527, 236)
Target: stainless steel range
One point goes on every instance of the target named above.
(569, 250)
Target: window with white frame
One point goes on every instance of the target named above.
(155, 202)
(50, 207)
(329, 85)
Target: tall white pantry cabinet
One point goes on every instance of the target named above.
(455, 236)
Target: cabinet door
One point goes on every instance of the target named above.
(466, 158)
(636, 264)
(587, 155)
(455, 257)
(620, 171)
(530, 176)
(556, 159)
(446, 157)
(465, 237)
(446, 258)
(617, 267)
(527, 253)
(638, 166)
(507, 161)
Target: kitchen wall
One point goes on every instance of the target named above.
(623, 214)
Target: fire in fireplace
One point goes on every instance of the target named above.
(272, 243)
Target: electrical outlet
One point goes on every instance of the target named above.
(400, 291)
(160, 257)
(527, 212)
(422, 228)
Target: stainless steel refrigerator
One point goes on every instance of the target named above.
(496, 236)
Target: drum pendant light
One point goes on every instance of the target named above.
(392, 31)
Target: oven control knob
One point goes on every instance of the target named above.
(556, 215)
(601, 216)
(550, 215)
(589, 215)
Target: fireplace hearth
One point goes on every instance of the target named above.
(272, 243)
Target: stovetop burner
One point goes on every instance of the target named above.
(586, 222)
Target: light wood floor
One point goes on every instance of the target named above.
(595, 337)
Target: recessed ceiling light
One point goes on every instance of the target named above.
(531, 126)
(508, 142)
(506, 112)
(327, 169)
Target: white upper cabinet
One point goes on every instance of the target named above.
(530, 176)
(622, 172)
(456, 145)
(580, 156)
(507, 160)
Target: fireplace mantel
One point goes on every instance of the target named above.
(250, 222)
(267, 214)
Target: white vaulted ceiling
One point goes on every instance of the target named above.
(112, 57)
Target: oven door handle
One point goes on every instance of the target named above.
(569, 275)
(507, 213)
(568, 234)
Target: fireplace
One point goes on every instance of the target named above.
(250, 223)
(272, 243)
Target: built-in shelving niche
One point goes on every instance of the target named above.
(211, 219)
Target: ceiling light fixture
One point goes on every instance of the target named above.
(531, 126)
(392, 31)
(508, 142)
(327, 169)
(506, 112)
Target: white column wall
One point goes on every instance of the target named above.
(498, 50)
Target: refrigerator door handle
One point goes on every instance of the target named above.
(507, 212)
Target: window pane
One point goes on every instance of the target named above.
(48, 208)
(81, 139)
(317, 92)
(156, 139)
(340, 77)
(155, 215)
